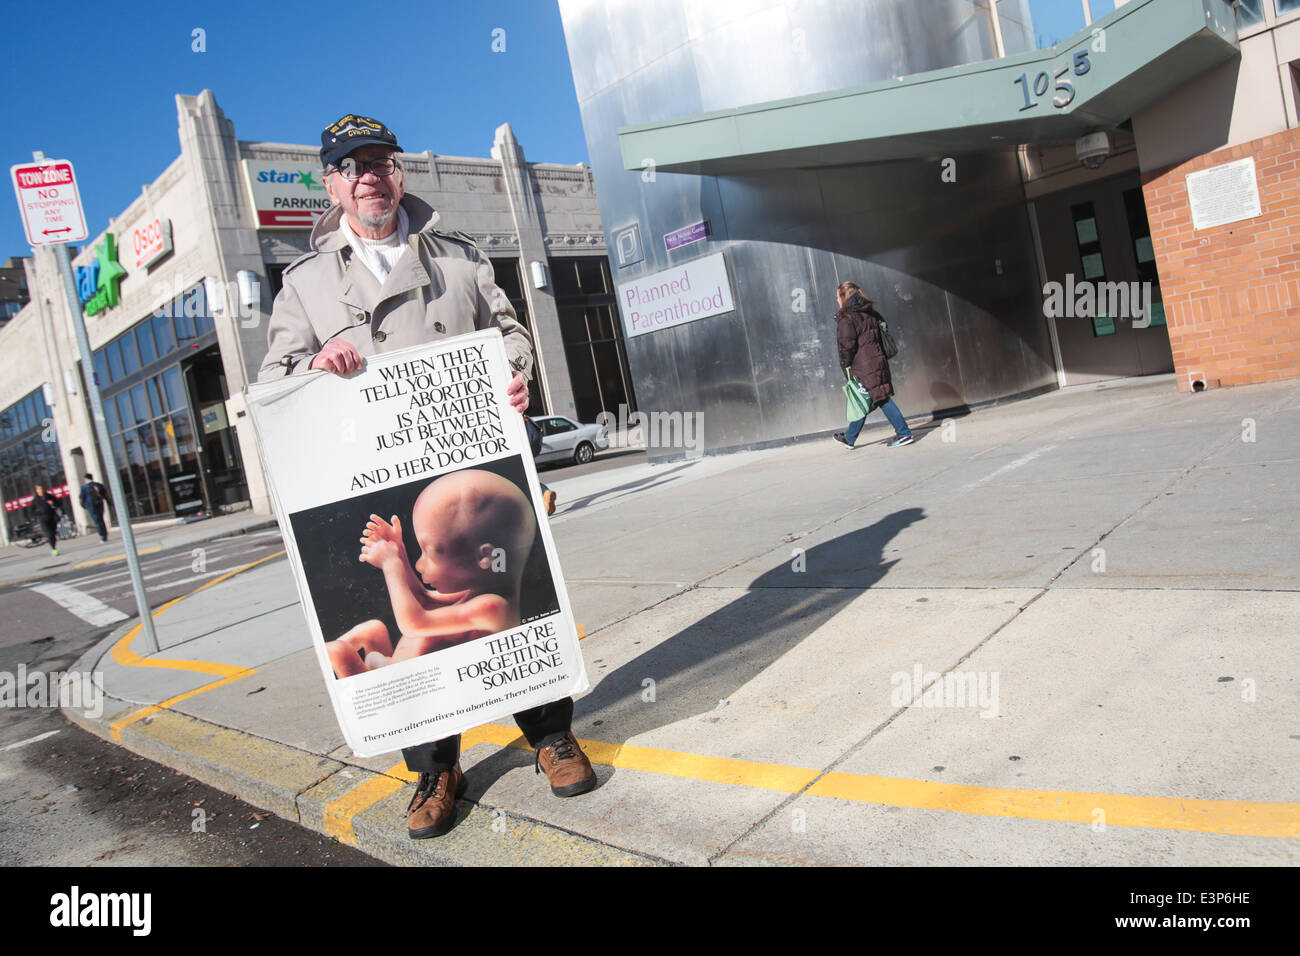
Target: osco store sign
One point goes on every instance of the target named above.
(151, 241)
(98, 283)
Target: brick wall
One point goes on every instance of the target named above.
(1232, 293)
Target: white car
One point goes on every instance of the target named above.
(563, 439)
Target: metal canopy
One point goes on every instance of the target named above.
(1123, 63)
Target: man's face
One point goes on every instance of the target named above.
(370, 202)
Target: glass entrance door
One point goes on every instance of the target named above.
(1103, 292)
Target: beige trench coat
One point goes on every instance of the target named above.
(446, 288)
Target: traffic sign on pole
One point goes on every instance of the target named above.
(51, 221)
(50, 204)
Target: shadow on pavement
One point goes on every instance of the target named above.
(708, 661)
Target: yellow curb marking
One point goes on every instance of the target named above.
(227, 673)
(339, 813)
(1235, 817)
(113, 557)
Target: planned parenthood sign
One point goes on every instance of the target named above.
(676, 296)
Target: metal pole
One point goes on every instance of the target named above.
(60, 251)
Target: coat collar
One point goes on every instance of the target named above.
(326, 236)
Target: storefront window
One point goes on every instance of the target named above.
(154, 388)
(184, 331)
(101, 369)
(144, 338)
(150, 419)
(114, 355)
(171, 454)
(130, 357)
(163, 334)
(26, 457)
(174, 385)
(1283, 6)
(140, 403)
(124, 410)
(185, 443)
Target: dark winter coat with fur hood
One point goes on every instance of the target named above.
(857, 334)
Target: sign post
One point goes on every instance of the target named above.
(52, 215)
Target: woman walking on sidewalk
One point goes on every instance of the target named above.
(857, 334)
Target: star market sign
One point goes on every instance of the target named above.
(285, 194)
(98, 283)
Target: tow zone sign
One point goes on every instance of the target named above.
(49, 201)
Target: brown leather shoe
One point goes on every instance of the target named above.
(567, 768)
(548, 497)
(432, 810)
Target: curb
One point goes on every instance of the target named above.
(260, 526)
(302, 787)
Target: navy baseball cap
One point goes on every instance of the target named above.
(352, 132)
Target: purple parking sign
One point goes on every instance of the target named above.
(686, 235)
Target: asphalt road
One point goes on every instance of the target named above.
(604, 460)
(88, 602)
(68, 798)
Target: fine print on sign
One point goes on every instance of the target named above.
(49, 201)
(1223, 194)
(685, 236)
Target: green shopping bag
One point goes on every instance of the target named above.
(859, 401)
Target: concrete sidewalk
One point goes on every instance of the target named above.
(1056, 631)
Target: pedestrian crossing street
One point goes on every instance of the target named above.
(103, 595)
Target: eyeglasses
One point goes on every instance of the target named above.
(353, 169)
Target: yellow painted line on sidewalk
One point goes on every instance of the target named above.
(113, 557)
(1235, 817)
(226, 673)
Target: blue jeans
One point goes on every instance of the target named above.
(891, 412)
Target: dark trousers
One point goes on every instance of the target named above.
(97, 515)
(548, 720)
(51, 529)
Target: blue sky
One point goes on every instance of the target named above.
(96, 82)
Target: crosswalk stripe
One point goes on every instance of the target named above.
(89, 609)
(30, 740)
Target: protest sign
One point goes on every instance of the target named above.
(414, 524)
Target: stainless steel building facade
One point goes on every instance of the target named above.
(926, 151)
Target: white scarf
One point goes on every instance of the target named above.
(379, 255)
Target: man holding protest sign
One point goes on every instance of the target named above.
(381, 277)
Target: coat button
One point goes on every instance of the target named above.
(380, 336)
(439, 327)
(361, 317)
